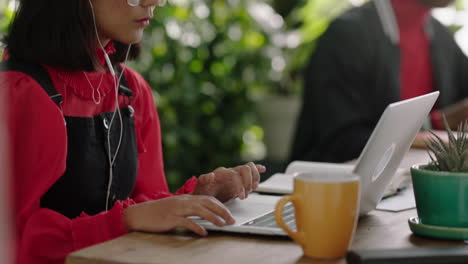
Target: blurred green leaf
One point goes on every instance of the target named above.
(207, 59)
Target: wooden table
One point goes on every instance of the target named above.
(377, 230)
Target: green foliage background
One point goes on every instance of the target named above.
(5, 17)
(206, 61)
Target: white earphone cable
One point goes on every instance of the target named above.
(97, 89)
(112, 159)
(117, 108)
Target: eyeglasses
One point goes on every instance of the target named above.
(137, 2)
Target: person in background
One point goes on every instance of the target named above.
(86, 152)
(373, 55)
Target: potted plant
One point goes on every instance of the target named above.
(441, 187)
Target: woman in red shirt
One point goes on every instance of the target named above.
(87, 162)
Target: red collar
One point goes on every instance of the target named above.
(410, 14)
(109, 49)
(79, 84)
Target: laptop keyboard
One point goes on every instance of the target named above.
(268, 220)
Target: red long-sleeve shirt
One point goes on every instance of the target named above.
(38, 144)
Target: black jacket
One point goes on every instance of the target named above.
(355, 73)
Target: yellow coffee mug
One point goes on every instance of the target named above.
(326, 210)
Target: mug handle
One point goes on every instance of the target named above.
(297, 236)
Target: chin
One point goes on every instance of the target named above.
(136, 38)
(133, 38)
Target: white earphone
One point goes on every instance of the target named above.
(117, 108)
(108, 62)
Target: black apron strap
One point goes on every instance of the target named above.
(123, 86)
(37, 72)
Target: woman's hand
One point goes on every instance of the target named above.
(169, 213)
(227, 183)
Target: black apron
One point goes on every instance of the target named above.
(83, 186)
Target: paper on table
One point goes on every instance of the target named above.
(404, 200)
(282, 183)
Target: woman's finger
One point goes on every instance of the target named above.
(206, 214)
(260, 168)
(207, 178)
(255, 175)
(190, 225)
(219, 209)
(246, 174)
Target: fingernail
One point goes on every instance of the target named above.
(241, 195)
(255, 185)
(231, 221)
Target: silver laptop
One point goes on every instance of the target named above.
(376, 166)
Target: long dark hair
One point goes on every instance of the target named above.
(58, 33)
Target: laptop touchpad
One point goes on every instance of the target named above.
(253, 207)
(243, 211)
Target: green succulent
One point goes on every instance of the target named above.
(451, 156)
